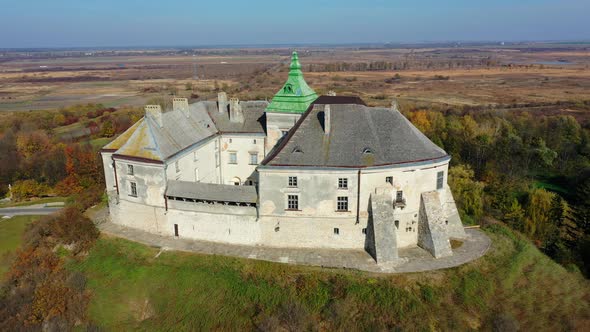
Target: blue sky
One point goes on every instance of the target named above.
(86, 23)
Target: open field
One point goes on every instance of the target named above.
(452, 76)
(513, 284)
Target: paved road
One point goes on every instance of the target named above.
(22, 211)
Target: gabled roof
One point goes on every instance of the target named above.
(295, 95)
(359, 136)
(148, 140)
(118, 142)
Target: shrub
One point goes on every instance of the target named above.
(27, 189)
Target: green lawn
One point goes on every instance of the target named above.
(98, 143)
(11, 231)
(35, 201)
(514, 282)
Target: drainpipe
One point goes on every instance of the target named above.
(218, 138)
(116, 178)
(358, 196)
(166, 198)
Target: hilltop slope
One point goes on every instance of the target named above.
(513, 285)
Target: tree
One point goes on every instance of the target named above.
(108, 130)
(30, 143)
(538, 224)
(421, 121)
(514, 214)
(581, 210)
(468, 193)
(28, 189)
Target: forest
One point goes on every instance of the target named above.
(530, 171)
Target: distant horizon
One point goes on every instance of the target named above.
(447, 43)
(131, 23)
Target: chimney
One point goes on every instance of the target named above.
(155, 112)
(327, 123)
(180, 104)
(235, 111)
(222, 102)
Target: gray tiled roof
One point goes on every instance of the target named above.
(150, 141)
(212, 192)
(254, 117)
(355, 130)
(178, 132)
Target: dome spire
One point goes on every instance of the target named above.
(295, 96)
(295, 67)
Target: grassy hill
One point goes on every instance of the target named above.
(10, 238)
(514, 285)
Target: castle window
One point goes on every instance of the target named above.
(297, 150)
(440, 177)
(254, 141)
(364, 231)
(230, 140)
(233, 157)
(389, 179)
(177, 166)
(253, 158)
(397, 224)
(342, 204)
(216, 160)
(292, 202)
(336, 231)
(130, 170)
(399, 196)
(367, 150)
(133, 189)
(342, 183)
(293, 181)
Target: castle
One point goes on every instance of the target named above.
(300, 171)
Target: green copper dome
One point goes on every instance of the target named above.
(295, 96)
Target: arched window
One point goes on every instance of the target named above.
(396, 224)
(367, 151)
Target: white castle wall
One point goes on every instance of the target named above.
(228, 224)
(109, 171)
(242, 145)
(197, 160)
(276, 124)
(273, 225)
(150, 180)
(314, 223)
(413, 181)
